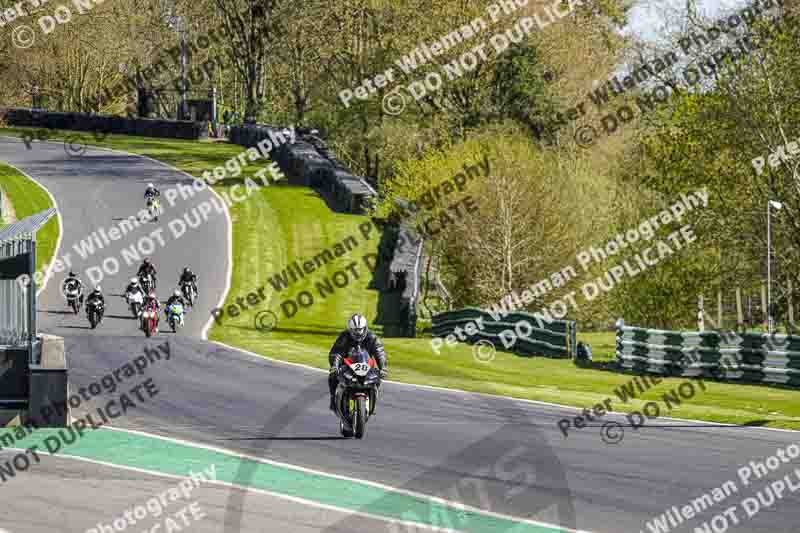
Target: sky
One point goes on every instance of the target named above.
(647, 18)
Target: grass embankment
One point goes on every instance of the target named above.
(28, 198)
(281, 224)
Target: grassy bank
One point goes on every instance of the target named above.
(280, 224)
(28, 198)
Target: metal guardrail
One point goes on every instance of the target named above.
(18, 300)
(15, 319)
(551, 339)
(728, 356)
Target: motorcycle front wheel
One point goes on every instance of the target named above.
(346, 433)
(360, 418)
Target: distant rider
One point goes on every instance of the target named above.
(134, 287)
(95, 297)
(356, 334)
(176, 297)
(151, 304)
(72, 283)
(187, 276)
(147, 268)
(151, 192)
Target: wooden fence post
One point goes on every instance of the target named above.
(719, 310)
(764, 310)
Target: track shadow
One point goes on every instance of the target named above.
(121, 317)
(608, 366)
(76, 327)
(325, 332)
(51, 312)
(289, 438)
(756, 423)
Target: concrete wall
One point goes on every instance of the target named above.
(48, 383)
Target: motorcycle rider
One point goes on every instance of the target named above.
(176, 297)
(356, 334)
(187, 276)
(151, 192)
(133, 288)
(73, 283)
(147, 268)
(95, 297)
(151, 304)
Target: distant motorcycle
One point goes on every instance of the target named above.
(135, 301)
(154, 208)
(149, 321)
(74, 299)
(357, 392)
(189, 293)
(94, 312)
(175, 315)
(147, 282)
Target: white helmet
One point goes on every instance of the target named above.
(97, 288)
(134, 281)
(150, 186)
(357, 326)
(176, 293)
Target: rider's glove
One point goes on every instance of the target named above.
(337, 361)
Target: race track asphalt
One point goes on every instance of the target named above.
(493, 453)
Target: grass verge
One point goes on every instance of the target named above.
(280, 224)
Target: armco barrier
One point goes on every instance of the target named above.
(309, 162)
(144, 127)
(553, 339)
(728, 356)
